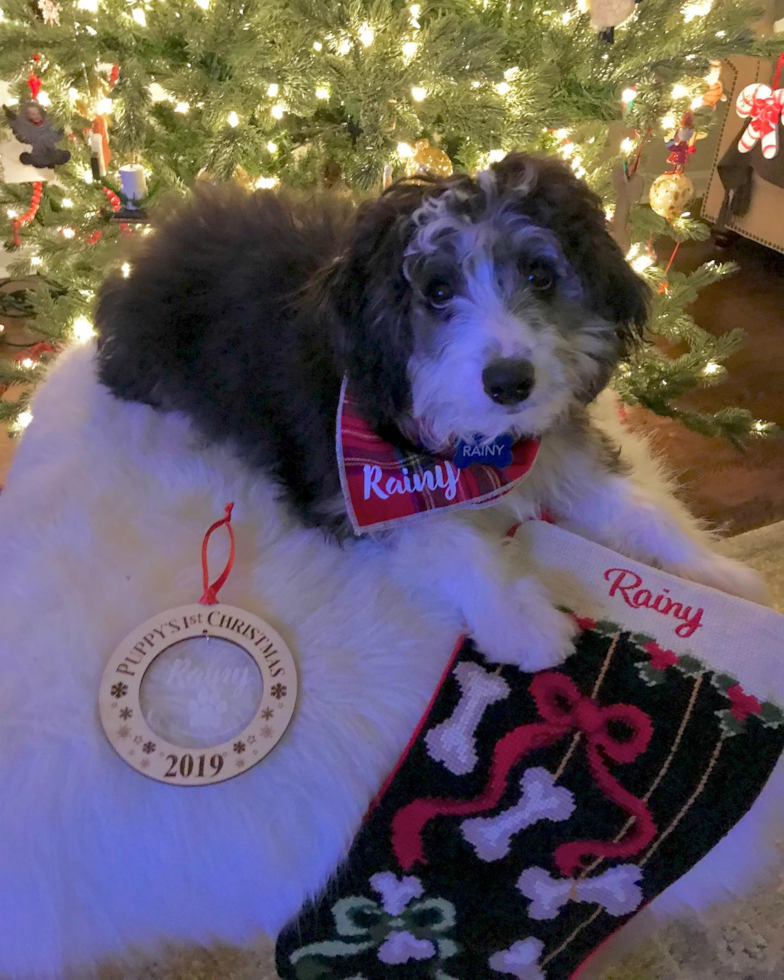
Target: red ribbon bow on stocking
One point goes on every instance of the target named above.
(564, 711)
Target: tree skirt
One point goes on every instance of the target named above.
(534, 814)
(100, 526)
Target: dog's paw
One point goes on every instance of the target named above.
(524, 628)
(726, 575)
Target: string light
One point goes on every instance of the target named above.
(628, 95)
(23, 419)
(104, 107)
(475, 84)
(418, 93)
(67, 202)
(627, 145)
(12, 214)
(35, 260)
(317, 45)
(273, 89)
(233, 119)
(679, 91)
(278, 111)
(125, 268)
(496, 156)
(139, 16)
(366, 35)
(609, 212)
(266, 183)
(416, 10)
(503, 88)
(668, 122)
(565, 18)
(73, 93)
(562, 134)
(82, 330)
(405, 150)
(760, 426)
(322, 92)
(344, 47)
(87, 176)
(711, 368)
(204, 4)
(641, 263)
(89, 5)
(44, 98)
(272, 146)
(68, 232)
(409, 49)
(568, 149)
(698, 8)
(28, 363)
(182, 107)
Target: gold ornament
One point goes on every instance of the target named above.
(428, 159)
(671, 194)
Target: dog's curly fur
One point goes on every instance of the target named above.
(245, 311)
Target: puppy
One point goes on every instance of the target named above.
(495, 304)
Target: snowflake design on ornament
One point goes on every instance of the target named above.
(239, 746)
(123, 731)
(278, 691)
(126, 713)
(138, 740)
(251, 739)
(240, 763)
(145, 763)
(119, 690)
(267, 713)
(266, 731)
(148, 748)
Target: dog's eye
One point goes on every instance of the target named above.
(438, 293)
(541, 277)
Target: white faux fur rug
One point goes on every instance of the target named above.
(105, 871)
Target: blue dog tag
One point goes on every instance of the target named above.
(497, 453)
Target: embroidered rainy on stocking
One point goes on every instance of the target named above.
(534, 814)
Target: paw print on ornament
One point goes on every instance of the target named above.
(207, 710)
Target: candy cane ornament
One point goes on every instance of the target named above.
(764, 105)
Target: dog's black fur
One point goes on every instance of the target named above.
(246, 311)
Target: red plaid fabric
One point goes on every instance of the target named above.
(385, 486)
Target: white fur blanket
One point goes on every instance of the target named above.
(100, 527)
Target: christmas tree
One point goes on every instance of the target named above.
(153, 96)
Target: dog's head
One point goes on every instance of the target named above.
(484, 305)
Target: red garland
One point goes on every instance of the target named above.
(564, 710)
(30, 213)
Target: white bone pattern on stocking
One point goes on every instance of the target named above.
(521, 960)
(453, 742)
(617, 891)
(396, 892)
(540, 800)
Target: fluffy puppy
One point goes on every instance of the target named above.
(495, 304)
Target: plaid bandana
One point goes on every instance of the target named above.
(384, 486)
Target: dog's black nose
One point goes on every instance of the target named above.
(508, 382)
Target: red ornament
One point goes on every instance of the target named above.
(742, 704)
(35, 85)
(585, 622)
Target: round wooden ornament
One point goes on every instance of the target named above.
(250, 662)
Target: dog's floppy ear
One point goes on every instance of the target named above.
(369, 297)
(553, 196)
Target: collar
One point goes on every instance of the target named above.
(385, 486)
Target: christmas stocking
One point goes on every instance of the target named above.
(532, 815)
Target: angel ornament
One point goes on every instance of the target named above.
(764, 106)
(31, 126)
